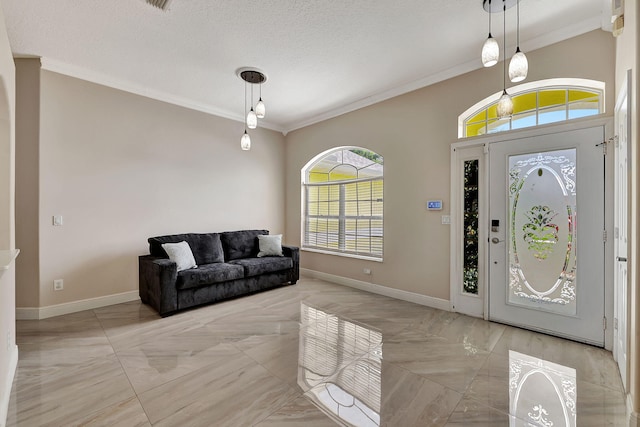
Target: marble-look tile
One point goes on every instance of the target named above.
(600, 406)
(491, 385)
(56, 396)
(592, 364)
(128, 310)
(125, 334)
(235, 392)
(596, 405)
(64, 352)
(411, 400)
(279, 355)
(155, 363)
(448, 363)
(472, 413)
(247, 362)
(253, 330)
(128, 413)
(299, 412)
(64, 330)
(462, 329)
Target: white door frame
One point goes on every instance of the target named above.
(601, 120)
(621, 290)
(472, 305)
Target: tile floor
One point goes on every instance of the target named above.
(313, 354)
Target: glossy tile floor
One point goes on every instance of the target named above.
(313, 354)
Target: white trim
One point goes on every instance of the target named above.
(544, 40)
(6, 388)
(36, 313)
(97, 77)
(441, 304)
(529, 87)
(342, 254)
(471, 305)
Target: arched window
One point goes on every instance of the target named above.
(343, 203)
(535, 103)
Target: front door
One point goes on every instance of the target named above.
(546, 225)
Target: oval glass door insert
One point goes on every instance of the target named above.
(542, 231)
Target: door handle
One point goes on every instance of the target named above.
(495, 240)
(621, 259)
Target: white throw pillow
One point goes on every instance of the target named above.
(181, 254)
(270, 245)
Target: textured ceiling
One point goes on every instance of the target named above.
(322, 57)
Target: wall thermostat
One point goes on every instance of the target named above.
(434, 205)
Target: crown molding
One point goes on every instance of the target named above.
(544, 40)
(92, 76)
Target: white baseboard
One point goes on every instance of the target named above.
(428, 301)
(6, 387)
(36, 313)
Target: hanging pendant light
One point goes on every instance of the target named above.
(505, 104)
(252, 76)
(245, 141)
(519, 65)
(490, 49)
(252, 119)
(260, 107)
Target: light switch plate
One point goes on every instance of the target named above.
(446, 219)
(57, 220)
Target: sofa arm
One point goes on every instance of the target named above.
(157, 283)
(294, 253)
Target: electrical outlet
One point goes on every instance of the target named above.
(58, 285)
(366, 271)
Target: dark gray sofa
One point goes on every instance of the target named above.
(228, 267)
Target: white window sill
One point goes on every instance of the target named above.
(342, 254)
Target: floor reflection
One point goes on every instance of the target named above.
(541, 393)
(340, 367)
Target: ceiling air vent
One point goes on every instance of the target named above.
(160, 4)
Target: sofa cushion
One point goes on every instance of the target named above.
(208, 274)
(240, 244)
(270, 245)
(206, 247)
(257, 266)
(181, 254)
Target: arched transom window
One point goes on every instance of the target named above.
(343, 203)
(536, 103)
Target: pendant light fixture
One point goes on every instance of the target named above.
(252, 118)
(251, 76)
(490, 49)
(245, 141)
(260, 108)
(519, 66)
(505, 104)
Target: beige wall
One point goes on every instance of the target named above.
(8, 349)
(27, 173)
(413, 132)
(121, 168)
(627, 56)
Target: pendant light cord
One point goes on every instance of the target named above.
(518, 25)
(489, 18)
(504, 42)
